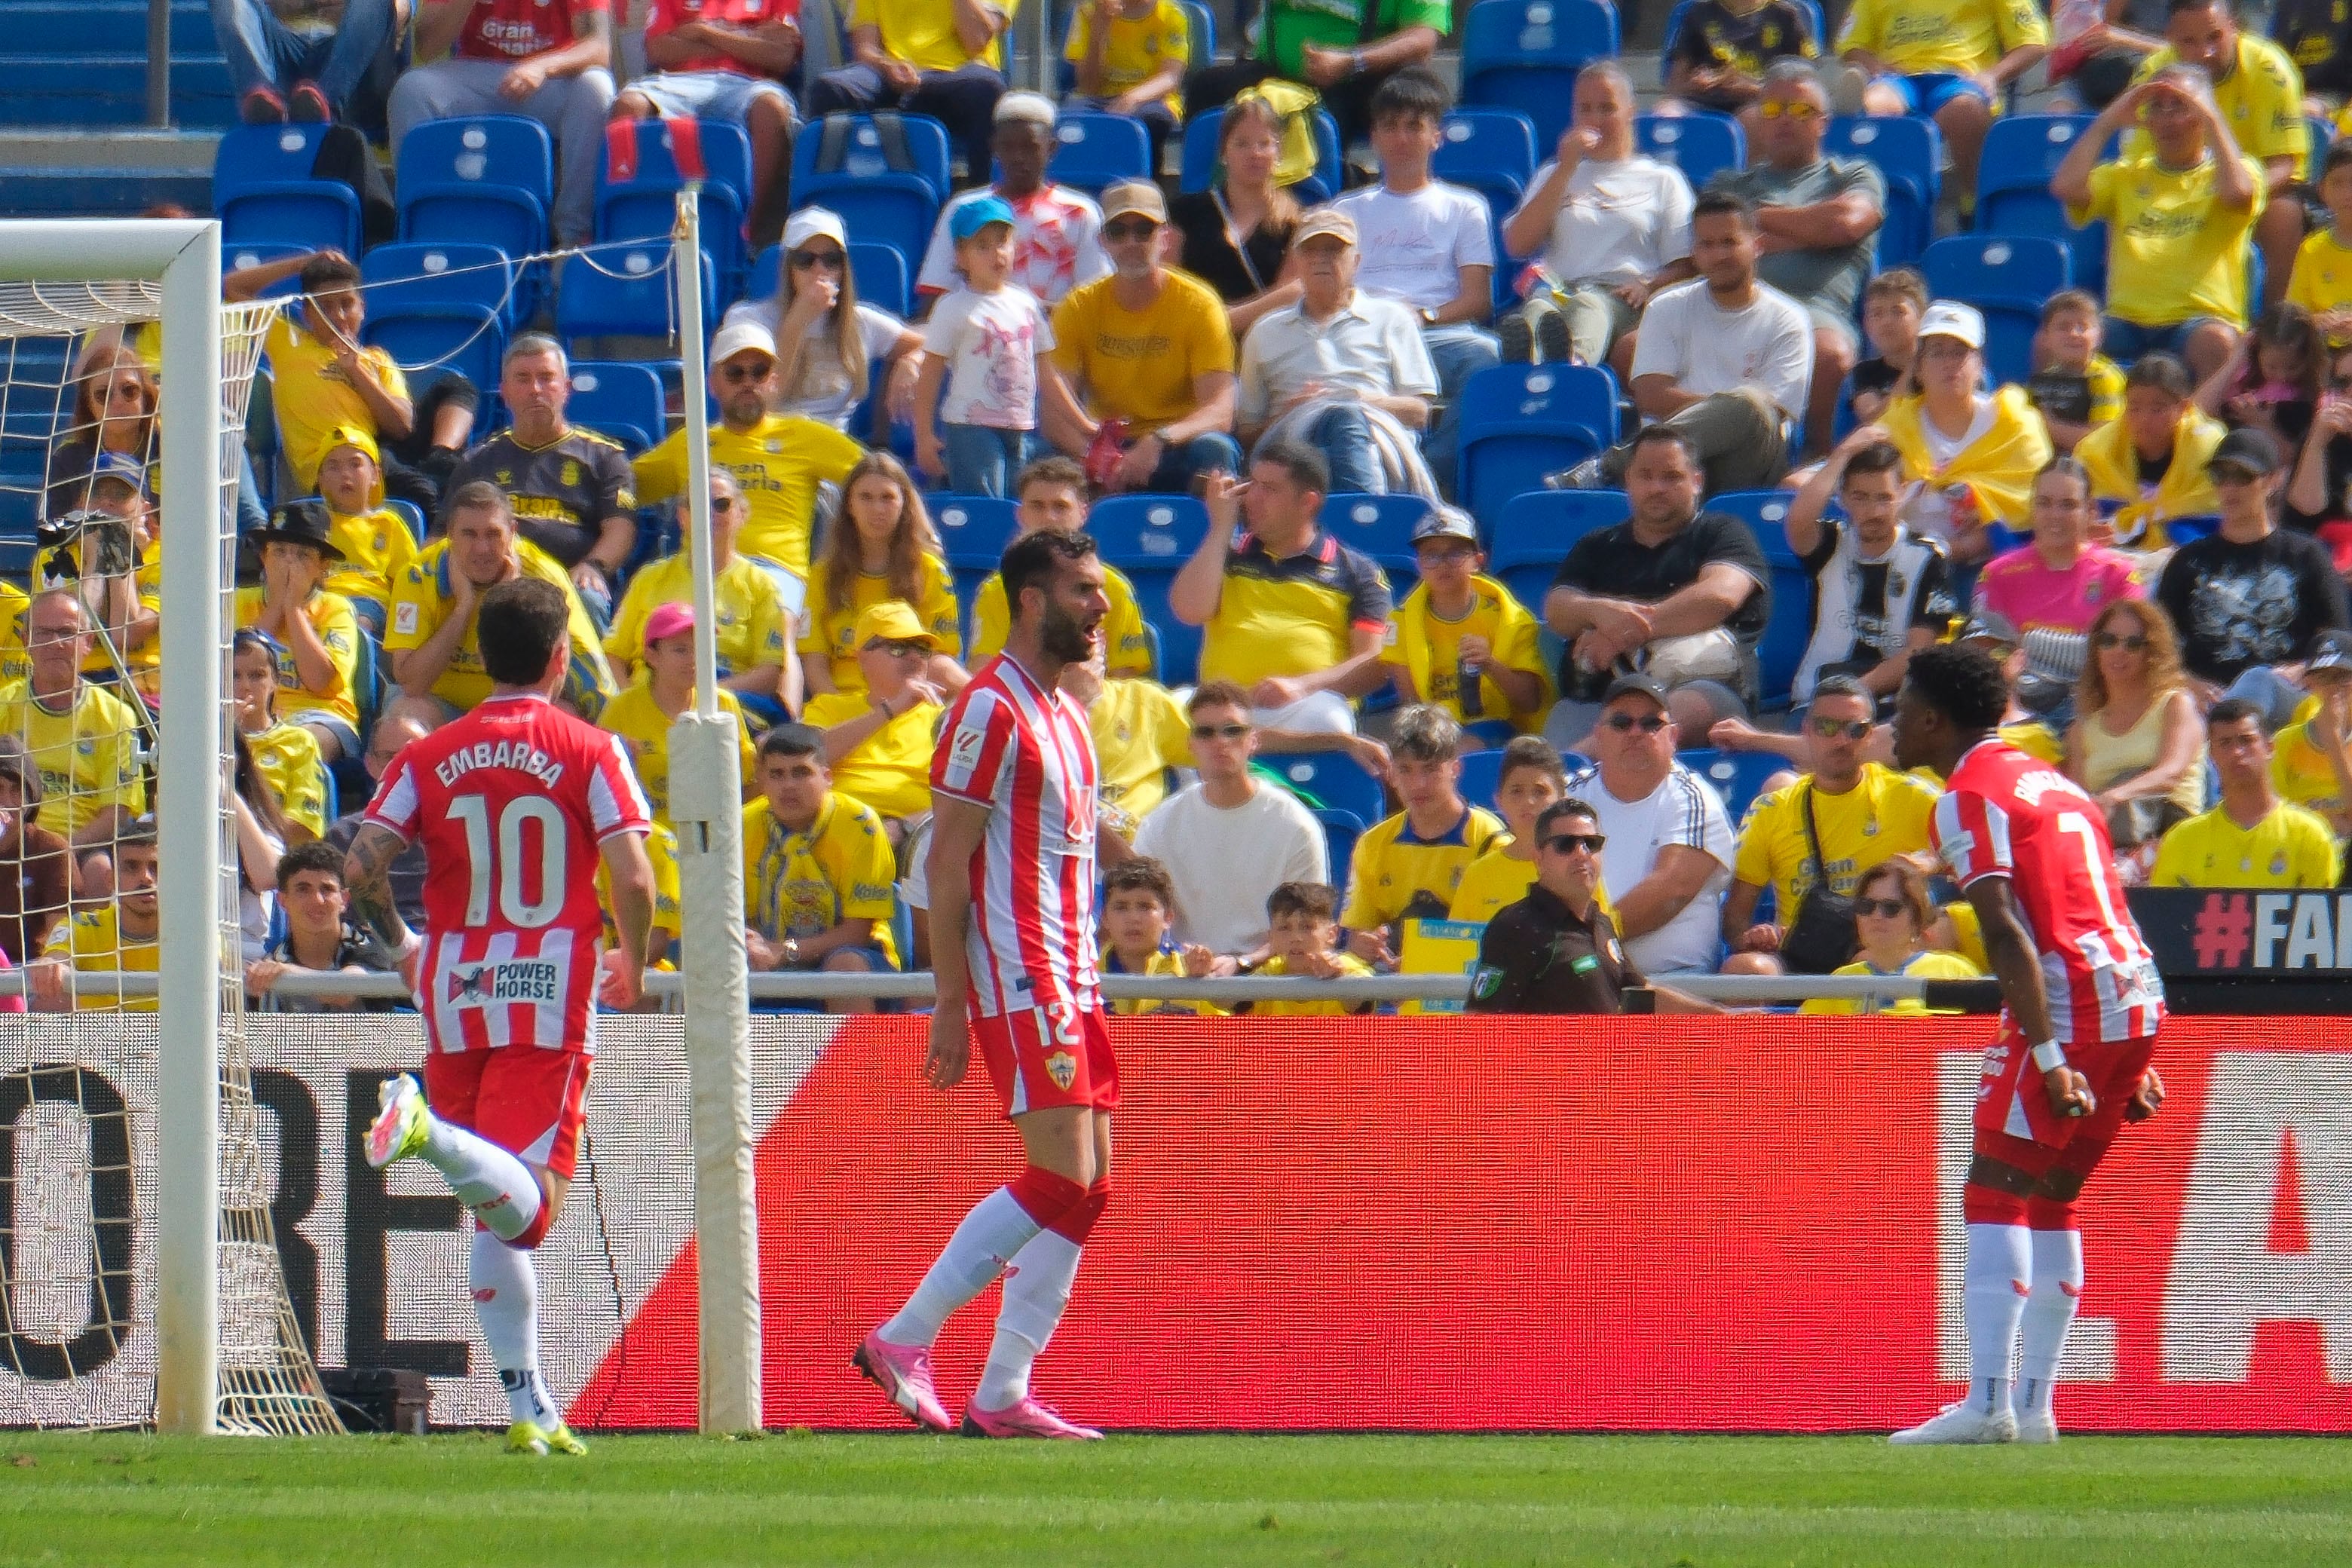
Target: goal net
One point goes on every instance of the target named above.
(139, 1277)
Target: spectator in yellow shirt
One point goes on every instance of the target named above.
(2311, 764)
(817, 869)
(1303, 941)
(312, 632)
(1139, 907)
(374, 546)
(1891, 916)
(118, 937)
(285, 755)
(1531, 779)
(1131, 56)
(642, 711)
(941, 58)
(2322, 283)
(1951, 61)
(882, 546)
(1141, 736)
(2253, 839)
(1461, 641)
(1054, 493)
(878, 740)
(1408, 866)
(83, 739)
(757, 657)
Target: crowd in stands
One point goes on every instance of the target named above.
(2146, 517)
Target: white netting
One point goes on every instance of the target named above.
(80, 449)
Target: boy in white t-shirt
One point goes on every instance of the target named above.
(988, 341)
(1428, 244)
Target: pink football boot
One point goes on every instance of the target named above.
(903, 1374)
(1023, 1418)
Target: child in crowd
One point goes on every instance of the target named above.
(1130, 57)
(1408, 866)
(645, 710)
(2272, 380)
(287, 755)
(1139, 907)
(2150, 463)
(1054, 493)
(1459, 641)
(2076, 386)
(1303, 938)
(2322, 283)
(880, 546)
(315, 631)
(987, 342)
(1892, 304)
(1531, 779)
(376, 545)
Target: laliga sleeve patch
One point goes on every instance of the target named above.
(404, 617)
(1484, 982)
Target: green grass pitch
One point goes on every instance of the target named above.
(913, 1499)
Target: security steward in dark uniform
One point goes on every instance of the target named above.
(1555, 951)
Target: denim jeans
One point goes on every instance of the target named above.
(1216, 453)
(982, 460)
(1457, 353)
(964, 100)
(1345, 439)
(262, 51)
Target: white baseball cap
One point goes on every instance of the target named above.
(811, 223)
(1950, 319)
(741, 338)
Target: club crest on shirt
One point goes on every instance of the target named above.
(495, 984)
(1063, 1068)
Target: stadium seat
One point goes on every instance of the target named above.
(1781, 647)
(2007, 278)
(1700, 144)
(624, 291)
(424, 339)
(1380, 526)
(486, 179)
(1491, 150)
(1675, 19)
(1520, 422)
(1200, 157)
(2322, 132)
(1737, 777)
(1149, 532)
(1341, 831)
(408, 513)
(645, 206)
(1533, 535)
(406, 277)
(621, 400)
(1482, 774)
(1203, 22)
(2021, 152)
(1908, 152)
(1093, 150)
(877, 204)
(1333, 778)
(261, 253)
(1525, 54)
(263, 190)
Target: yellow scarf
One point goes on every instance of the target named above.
(2186, 490)
(1997, 466)
(1291, 102)
(1413, 638)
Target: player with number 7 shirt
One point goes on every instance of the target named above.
(514, 804)
(2081, 1002)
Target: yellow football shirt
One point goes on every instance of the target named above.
(422, 601)
(94, 943)
(2291, 848)
(1886, 814)
(1392, 864)
(2299, 771)
(1126, 645)
(288, 756)
(14, 602)
(639, 720)
(661, 852)
(1922, 966)
(1920, 37)
(1167, 961)
(805, 884)
(378, 550)
(338, 625)
(832, 635)
(1427, 646)
(923, 32)
(311, 395)
(1295, 615)
(2260, 96)
(777, 464)
(1141, 364)
(891, 769)
(2323, 273)
(1134, 50)
(1349, 965)
(88, 758)
(752, 622)
(2174, 251)
(1495, 882)
(1140, 731)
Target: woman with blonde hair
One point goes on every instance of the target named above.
(113, 411)
(879, 546)
(827, 340)
(1891, 918)
(2137, 742)
(1235, 236)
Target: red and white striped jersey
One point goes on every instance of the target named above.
(513, 804)
(2003, 814)
(1027, 755)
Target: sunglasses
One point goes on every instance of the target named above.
(1830, 728)
(1570, 843)
(1887, 908)
(1141, 228)
(1769, 109)
(731, 370)
(898, 647)
(1625, 724)
(2134, 643)
(805, 260)
(1219, 731)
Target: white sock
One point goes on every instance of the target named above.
(2001, 1264)
(996, 1229)
(2049, 1311)
(506, 1298)
(1036, 1290)
(497, 1186)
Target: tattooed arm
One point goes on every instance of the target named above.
(367, 876)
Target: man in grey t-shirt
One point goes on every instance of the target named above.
(1819, 218)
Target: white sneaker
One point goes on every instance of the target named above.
(2037, 1426)
(1960, 1424)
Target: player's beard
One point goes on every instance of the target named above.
(1065, 637)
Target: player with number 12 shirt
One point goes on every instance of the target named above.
(2081, 1002)
(1011, 875)
(514, 804)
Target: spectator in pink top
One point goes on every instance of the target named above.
(2054, 587)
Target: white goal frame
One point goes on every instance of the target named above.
(183, 258)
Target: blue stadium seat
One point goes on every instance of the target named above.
(264, 191)
(876, 204)
(1380, 526)
(1682, 8)
(2020, 270)
(621, 400)
(1200, 157)
(487, 179)
(645, 206)
(408, 512)
(1533, 534)
(1491, 151)
(408, 276)
(1341, 831)
(1148, 532)
(1700, 145)
(1179, 644)
(2322, 132)
(1525, 54)
(1093, 150)
(975, 528)
(1520, 422)
(261, 253)
(625, 290)
(1764, 513)
(2021, 152)
(1336, 779)
(1909, 154)
(1782, 648)
(1737, 777)
(1482, 774)
(1203, 22)
(426, 338)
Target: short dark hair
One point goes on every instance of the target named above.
(1414, 92)
(792, 740)
(523, 621)
(2160, 370)
(249, 639)
(476, 495)
(1724, 203)
(1661, 434)
(1054, 470)
(317, 856)
(1217, 694)
(1878, 458)
(1426, 733)
(1317, 900)
(1029, 562)
(1144, 874)
(2177, 6)
(2065, 300)
(1561, 811)
(1304, 466)
(1531, 751)
(1964, 684)
(328, 273)
(2231, 709)
(1843, 686)
(2339, 154)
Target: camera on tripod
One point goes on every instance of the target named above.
(86, 541)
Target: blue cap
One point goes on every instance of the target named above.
(120, 466)
(974, 216)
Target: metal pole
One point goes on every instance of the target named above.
(159, 63)
(688, 252)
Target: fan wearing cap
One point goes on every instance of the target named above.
(373, 544)
(1977, 451)
(128, 606)
(1460, 641)
(1057, 230)
(944, 58)
(818, 889)
(985, 344)
(285, 755)
(1343, 370)
(824, 336)
(2249, 597)
(877, 742)
(312, 631)
(2312, 766)
(2252, 838)
(777, 460)
(644, 711)
(1149, 355)
(1131, 56)
(754, 634)
(725, 60)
